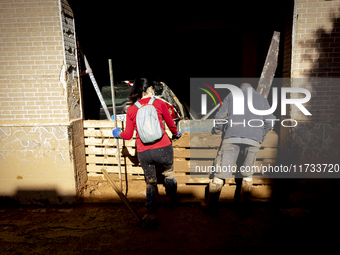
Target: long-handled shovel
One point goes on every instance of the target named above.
(120, 194)
(124, 199)
(115, 120)
(95, 85)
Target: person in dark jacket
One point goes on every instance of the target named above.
(241, 142)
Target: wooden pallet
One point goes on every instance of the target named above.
(101, 150)
(191, 150)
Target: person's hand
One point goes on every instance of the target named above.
(215, 131)
(116, 132)
(177, 136)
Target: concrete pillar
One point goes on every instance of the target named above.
(42, 153)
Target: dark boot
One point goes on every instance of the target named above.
(170, 184)
(246, 190)
(151, 196)
(150, 218)
(244, 198)
(210, 207)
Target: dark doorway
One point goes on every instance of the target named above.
(174, 43)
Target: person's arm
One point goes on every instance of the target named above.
(268, 119)
(129, 127)
(168, 119)
(222, 114)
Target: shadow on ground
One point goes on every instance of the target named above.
(111, 229)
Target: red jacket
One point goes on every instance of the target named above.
(163, 113)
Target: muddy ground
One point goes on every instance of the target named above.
(90, 228)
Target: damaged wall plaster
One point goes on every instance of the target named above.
(69, 73)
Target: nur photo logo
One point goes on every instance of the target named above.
(204, 97)
(239, 102)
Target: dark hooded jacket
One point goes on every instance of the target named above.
(237, 125)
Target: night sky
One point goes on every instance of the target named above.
(171, 42)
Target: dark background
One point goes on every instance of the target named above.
(173, 42)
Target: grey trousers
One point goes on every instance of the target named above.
(230, 154)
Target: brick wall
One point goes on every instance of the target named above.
(31, 58)
(316, 55)
(287, 49)
(317, 46)
(315, 66)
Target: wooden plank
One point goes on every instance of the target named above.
(115, 176)
(212, 153)
(197, 139)
(258, 168)
(114, 169)
(102, 133)
(98, 133)
(188, 179)
(196, 125)
(267, 153)
(207, 140)
(184, 166)
(112, 160)
(271, 140)
(190, 165)
(109, 142)
(128, 151)
(269, 67)
(102, 123)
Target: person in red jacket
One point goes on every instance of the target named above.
(160, 152)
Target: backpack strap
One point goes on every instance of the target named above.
(138, 105)
(152, 100)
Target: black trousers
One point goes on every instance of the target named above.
(148, 160)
